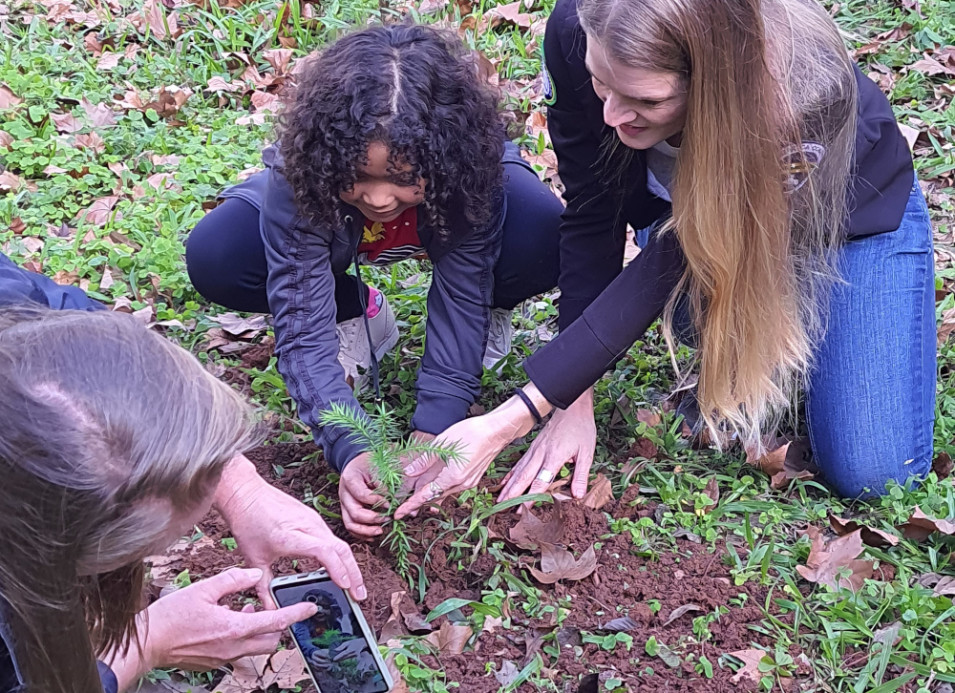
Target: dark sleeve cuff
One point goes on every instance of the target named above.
(437, 411)
(108, 678)
(548, 367)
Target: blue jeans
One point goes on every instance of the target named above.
(871, 398)
(870, 404)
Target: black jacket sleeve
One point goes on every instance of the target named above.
(563, 369)
(592, 235)
(459, 314)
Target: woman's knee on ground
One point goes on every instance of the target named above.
(861, 469)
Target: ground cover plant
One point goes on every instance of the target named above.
(684, 569)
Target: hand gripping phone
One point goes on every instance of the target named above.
(339, 649)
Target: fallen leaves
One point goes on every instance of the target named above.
(834, 563)
(100, 211)
(599, 494)
(451, 638)
(919, 526)
(559, 564)
(7, 98)
(284, 669)
(751, 660)
(870, 537)
(784, 461)
(530, 532)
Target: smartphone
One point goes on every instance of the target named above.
(339, 649)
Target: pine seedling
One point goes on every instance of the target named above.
(380, 434)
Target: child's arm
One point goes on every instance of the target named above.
(301, 292)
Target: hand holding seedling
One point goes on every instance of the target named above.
(190, 630)
(570, 437)
(478, 441)
(269, 525)
(357, 494)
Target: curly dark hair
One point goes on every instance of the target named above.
(413, 88)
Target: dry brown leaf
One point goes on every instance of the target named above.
(93, 44)
(870, 537)
(279, 59)
(930, 66)
(246, 675)
(680, 611)
(265, 101)
(531, 532)
(32, 244)
(246, 328)
(942, 465)
(66, 122)
(168, 102)
(7, 98)
(492, 623)
(945, 587)
(106, 281)
(948, 325)
(827, 559)
(560, 564)
(286, 670)
(9, 181)
(599, 494)
(512, 13)
(100, 114)
(17, 226)
(712, 491)
(66, 278)
(784, 461)
(108, 61)
(159, 23)
(6, 139)
(393, 626)
(451, 639)
(750, 669)
(100, 211)
(919, 526)
(90, 141)
(909, 133)
(161, 181)
(218, 84)
(650, 418)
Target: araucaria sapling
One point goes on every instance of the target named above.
(387, 450)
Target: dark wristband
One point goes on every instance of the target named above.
(530, 405)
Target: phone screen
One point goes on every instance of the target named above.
(332, 642)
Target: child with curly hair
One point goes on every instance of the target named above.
(390, 148)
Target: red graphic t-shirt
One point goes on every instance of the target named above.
(385, 243)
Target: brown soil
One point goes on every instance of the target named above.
(648, 589)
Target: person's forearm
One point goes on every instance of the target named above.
(514, 417)
(136, 662)
(239, 481)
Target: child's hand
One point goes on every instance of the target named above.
(357, 495)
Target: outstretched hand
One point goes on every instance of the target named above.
(570, 437)
(478, 440)
(268, 525)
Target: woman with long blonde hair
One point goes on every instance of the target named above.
(784, 236)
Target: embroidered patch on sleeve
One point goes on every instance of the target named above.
(547, 83)
(802, 161)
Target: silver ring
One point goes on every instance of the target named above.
(545, 475)
(434, 490)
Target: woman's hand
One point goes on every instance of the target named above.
(268, 525)
(479, 440)
(569, 437)
(357, 493)
(189, 630)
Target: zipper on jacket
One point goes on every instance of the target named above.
(363, 301)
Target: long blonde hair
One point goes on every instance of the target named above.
(758, 214)
(109, 434)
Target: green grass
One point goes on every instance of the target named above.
(50, 68)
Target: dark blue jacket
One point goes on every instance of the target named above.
(593, 229)
(18, 285)
(303, 262)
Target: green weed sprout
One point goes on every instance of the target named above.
(380, 434)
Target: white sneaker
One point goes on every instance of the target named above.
(354, 349)
(499, 338)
